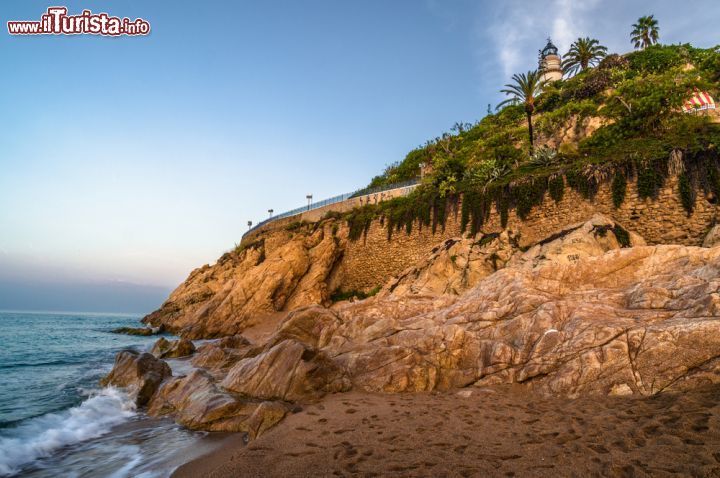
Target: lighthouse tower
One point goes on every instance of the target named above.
(550, 64)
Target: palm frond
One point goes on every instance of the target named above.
(645, 32)
(583, 53)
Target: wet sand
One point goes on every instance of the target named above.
(493, 432)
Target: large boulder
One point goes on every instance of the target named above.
(575, 242)
(218, 355)
(196, 402)
(165, 348)
(313, 326)
(287, 371)
(140, 373)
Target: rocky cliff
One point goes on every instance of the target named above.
(589, 310)
(249, 284)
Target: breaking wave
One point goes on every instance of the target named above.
(41, 436)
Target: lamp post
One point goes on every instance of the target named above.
(422, 170)
(270, 211)
(309, 198)
(249, 225)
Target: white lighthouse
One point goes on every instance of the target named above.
(550, 63)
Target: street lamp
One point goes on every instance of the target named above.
(249, 225)
(270, 211)
(309, 198)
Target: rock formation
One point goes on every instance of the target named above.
(641, 319)
(141, 331)
(590, 310)
(223, 353)
(196, 402)
(165, 348)
(456, 265)
(713, 237)
(288, 371)
(245, 286)
(141, 374)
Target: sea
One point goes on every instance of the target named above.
(56, 420)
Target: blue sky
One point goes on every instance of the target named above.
(135, 160)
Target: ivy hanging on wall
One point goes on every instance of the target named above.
(426, 207)
(650, 178)
(556, 187)
(619, 188)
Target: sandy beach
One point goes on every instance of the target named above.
(491, 432)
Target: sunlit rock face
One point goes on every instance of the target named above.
(140, 374)
(642, 319)
(165, 348)
(245, 286)
(590, 310)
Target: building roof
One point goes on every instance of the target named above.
(700, 100)
(550, 49)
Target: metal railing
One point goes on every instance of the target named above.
(379, 189)
(335, 200)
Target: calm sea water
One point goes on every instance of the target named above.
(55, 420)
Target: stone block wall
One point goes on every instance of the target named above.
(317, 214)
(373, 259)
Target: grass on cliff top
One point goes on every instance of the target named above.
(637, 96)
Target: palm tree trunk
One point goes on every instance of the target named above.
(530, 131)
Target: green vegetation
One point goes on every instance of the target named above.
(687, 196)
(556, 187)
(622, 236)
(525, 90)
(583, 53)
(645, 32)
(294, 226)
(619, 188)
(618, 119)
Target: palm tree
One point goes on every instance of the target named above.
(645, 32)
(526, 88)
(584, 52)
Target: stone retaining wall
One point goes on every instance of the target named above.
(372, 260)
(317, 214)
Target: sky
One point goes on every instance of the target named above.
(127, 162)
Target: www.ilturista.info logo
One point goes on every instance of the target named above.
(57, 22)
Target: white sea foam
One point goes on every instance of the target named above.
(132, 458)
(39, 437)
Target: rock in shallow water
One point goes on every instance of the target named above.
(196, 402)
(165, 348)
(141, 374)
(141, 331)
